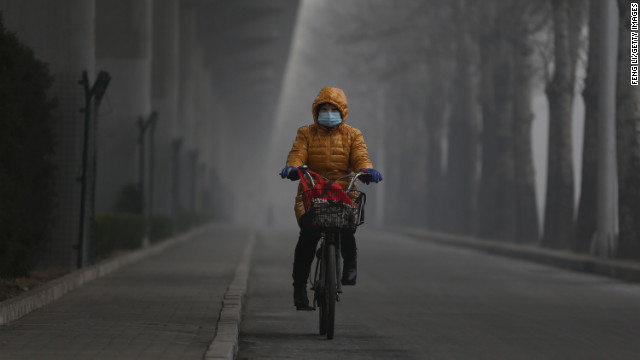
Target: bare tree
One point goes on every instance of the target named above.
(427, 32)
(439, 55)
(409, 53)
(527, 229)
(436, 102)
(559, 205)
(628, 142)
(528, 18)
(391, 36)
(496, 200)
(586, 220)
(463, 138)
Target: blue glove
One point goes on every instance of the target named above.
(375, 175)
(290, 172)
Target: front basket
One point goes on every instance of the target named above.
(327, 213)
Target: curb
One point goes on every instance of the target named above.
(619, 269)
(225, 343)
(21, 305)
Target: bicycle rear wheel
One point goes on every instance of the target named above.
(330, 289)
(318, 289)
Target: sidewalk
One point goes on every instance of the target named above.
(620, 269)
(165, 306)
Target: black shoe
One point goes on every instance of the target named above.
(349, 273)
(300, 299)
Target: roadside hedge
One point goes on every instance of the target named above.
(124, 231)
(117, 231)
(189, 219)
(26, 147)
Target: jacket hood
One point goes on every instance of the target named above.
(334, 96)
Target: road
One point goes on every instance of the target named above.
(418, 300)
(414, 300)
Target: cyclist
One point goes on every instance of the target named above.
(332, 149)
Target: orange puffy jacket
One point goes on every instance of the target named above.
(332, 153)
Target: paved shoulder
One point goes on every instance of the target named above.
(165, 306)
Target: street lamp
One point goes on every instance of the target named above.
(96, 91)
(144, 125)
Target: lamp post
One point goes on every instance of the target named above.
(96, 91)
(145, 125)
(175, 184)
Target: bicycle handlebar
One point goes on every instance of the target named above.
(305, 170)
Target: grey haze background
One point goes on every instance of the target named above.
(323, 55)
(232, 81)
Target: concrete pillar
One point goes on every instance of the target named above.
(205, 134)
(123, 48)
(190, 76)
(164, 96)
(61, 33)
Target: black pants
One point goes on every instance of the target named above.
(306, 250)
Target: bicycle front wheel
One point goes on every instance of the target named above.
(330, 289)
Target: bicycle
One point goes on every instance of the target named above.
(332, 210)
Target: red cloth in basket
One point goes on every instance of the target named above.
(324, 189)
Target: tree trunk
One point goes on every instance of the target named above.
(436, 109)
(414, 143)
(527, 230)
(628, 143)
(587, 208)
(462, 145)
(395, 162)
(496, 212)
(558, 224)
